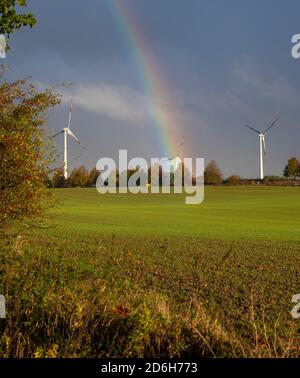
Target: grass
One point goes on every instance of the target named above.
(228, 213)
(147, 275)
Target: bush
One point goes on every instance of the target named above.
(24, 154)
(212, 174)
(292, 168)
(79, 177)
(58, 179)
(233, 180)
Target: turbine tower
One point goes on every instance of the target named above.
(67, 131)
(262, 145)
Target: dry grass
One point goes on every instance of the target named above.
(117, 296)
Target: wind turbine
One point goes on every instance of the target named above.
(67, 131)
(176, 157)
(171, 164)
(262, 145)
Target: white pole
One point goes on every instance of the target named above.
(261, 156)
(66, 157)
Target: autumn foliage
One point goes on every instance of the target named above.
(24, 158)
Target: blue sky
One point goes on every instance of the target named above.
(227, 63)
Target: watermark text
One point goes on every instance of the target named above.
(163, 176)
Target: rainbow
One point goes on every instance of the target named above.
(153, 81)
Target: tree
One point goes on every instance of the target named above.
(58, 179)
(233, 180)
(213, 174)
(186, 176)
(292, 168)
(93, 175)
(79, 177)
(11, 20)
(273, 178)
(47, 181)
(130, 172)
(155, 174)
(24, 153)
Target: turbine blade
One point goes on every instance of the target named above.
(70, 114)
(73, 136)
(168, 159)
(272, 124)
(264, 145)
(55, 135)
(180, 152)
(251, 128)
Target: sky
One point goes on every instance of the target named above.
(221, 65)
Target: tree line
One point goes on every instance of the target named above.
(291, 171)
(81, 177)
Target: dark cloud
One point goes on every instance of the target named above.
(226, 63)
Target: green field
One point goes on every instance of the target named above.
(147, 275)
(227, 213)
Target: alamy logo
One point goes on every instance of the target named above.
(296, 309)
(2, 46)
(181, 175)
(2, 307)
(296, 48)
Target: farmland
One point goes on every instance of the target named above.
(147, 275)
